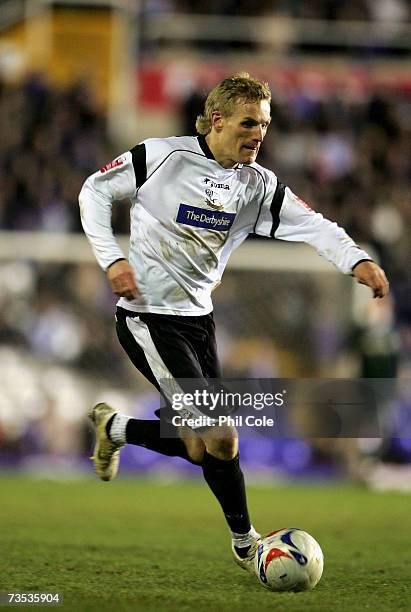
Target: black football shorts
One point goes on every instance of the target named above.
(169, 348)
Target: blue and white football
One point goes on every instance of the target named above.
(289, 560)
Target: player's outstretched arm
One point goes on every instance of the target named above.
(369, 273)
(122, 279)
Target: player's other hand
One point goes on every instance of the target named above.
(122, 279)
(370, 274)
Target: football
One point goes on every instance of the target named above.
(289, 560)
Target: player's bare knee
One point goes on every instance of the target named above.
(194, 445)
(223, 444)
(226, 449)
(195, 449)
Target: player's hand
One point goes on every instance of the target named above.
(369, 273)
(122, 279)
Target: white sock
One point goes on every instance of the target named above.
(118, 428)
(241, 540)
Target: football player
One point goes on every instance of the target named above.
(194, 200)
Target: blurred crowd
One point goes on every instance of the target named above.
(368, 10)
(50, 140)
(362, 29)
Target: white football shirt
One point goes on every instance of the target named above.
(188, 214)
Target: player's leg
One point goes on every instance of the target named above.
(222, 470)
(114, 430)
(223, 474)
(194, 444)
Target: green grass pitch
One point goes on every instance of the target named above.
(142, 545)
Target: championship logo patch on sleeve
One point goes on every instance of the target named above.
(119, 161)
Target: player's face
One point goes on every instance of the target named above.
(239, 136)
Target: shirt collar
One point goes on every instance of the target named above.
(205, 148)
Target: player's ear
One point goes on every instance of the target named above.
(217, 121)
